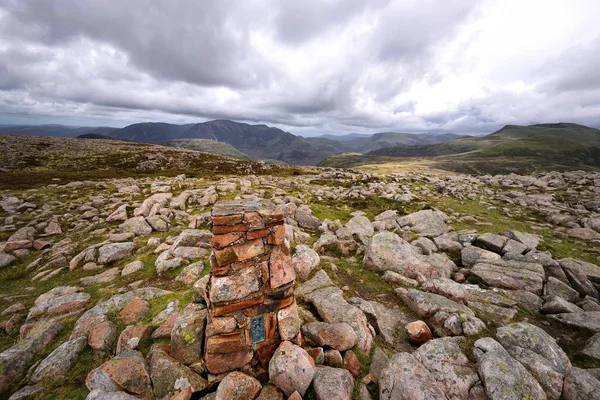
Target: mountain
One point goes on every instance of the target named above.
(54, 130)
(257, 141)
(513, 148)
(346, 137)
(209, 146)
(384, 140)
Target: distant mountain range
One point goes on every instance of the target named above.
(260, 142)
(513, 148)
(564, 142)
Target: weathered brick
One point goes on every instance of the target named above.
(227, 219)
(249, 249)
(254, 221)
(231, 343)
(277, 236)
(281, 270)
(221, 229)
(240, 305)
(221, 241)
(261, 233)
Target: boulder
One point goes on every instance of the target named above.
(333, 383)
(538, 352)
(428, 223)
(113, 252)
(558, 305)
(291, 369)
(588, 320)
(304, 261)
(339, 336)
(388, 252)
(169, 375)
(137, 225)
(56, 366)
(332, 307)
(504, 377)
(511, 275)
(15, 360)
(386, 321)
(418, 332)
(132, 336)
(188, 334)
(238, 386)
(491, 241)
(581, 385)
(446, 316)
(449, 366)
(405, 378)
(128, 372)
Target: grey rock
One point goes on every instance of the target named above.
(427, 223)
(588, 320)
(491, 241)
(555, 287)
(388, 252)
(581, 385)
(305, 260)
(577, 277)
(592, 347)
(332, 307)
(333, 383)
(470, 255)
(503, 377)
(450, 367)
(318, 281)
(405, 378)
(558, 305)
(511, 275)
(137, 225)
(15, 361)
(387, 322)
(60, 361)
(114, 252)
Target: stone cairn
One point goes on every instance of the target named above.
(251, 304)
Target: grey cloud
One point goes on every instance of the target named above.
(186, 60)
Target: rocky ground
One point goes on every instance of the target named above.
(417, 285)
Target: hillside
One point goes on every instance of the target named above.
(385, 140)
(257, 141)
(27, 161)
(520, 149)
(209, 146)
(54, 130)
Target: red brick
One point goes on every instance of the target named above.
(278, 235)
(221, 229)
(225, 256)
(253, 220)
(226, 309)
(281, 269)
(225, 343)
(258, 234)
(248, 250)
(227, 219)
(220, 241)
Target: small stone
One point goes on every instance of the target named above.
(134, 311)
(418, 332)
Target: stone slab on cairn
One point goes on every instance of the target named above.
(251, 304)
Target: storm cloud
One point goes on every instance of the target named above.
(309, 67)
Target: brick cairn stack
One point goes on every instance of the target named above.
(251, 305)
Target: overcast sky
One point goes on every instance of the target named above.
(318, 66)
